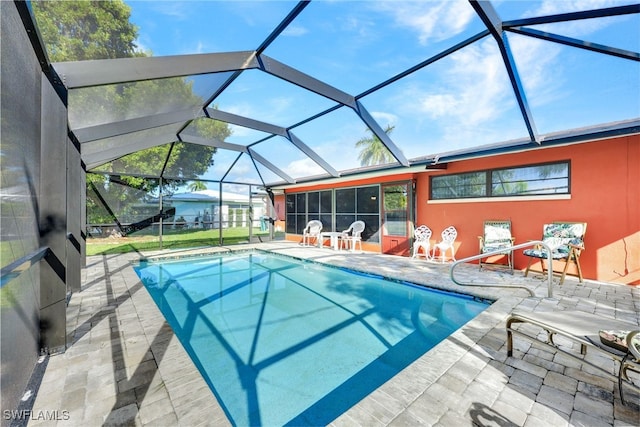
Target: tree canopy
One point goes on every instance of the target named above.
(85, 30)
(373, 151)
(79, 30)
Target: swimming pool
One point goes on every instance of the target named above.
(282, 341)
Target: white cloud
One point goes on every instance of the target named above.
(471, 93)
(551, 7)
(364, 28)
(578, 28)
(303, 167)
(175, 10)
(539, 68)
(240, 108)
(141, 46)
(431, 20)
(475, 87)
(274, 110)
(200, 48)
(279, 105)
(467, 98)
(295, 31)
(384, 118)
(239, 131)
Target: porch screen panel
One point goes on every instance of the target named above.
(359, 204)
(345, 207)
(319, 207)
(291, 213)
(326, 209)
(368, 210)
(301, 212)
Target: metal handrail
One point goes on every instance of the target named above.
(502, 251)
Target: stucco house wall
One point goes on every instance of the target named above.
(605, 193)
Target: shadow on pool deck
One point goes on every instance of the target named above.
(124, 366)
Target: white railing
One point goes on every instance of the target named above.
(502, 251)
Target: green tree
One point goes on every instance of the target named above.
(197, 186)
(373, 151)
(84, 30)
(79, 30)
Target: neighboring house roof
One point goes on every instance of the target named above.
(208, 196)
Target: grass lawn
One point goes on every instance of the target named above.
(171, 239)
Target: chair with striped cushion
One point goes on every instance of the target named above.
(497, 237)
(566, 240)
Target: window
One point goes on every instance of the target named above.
(351, 204)
(296, 212)
(304, 207)
(319, 207)
(359, 204)
(460, 186)
(532, 180)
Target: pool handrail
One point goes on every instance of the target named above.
(502, 251)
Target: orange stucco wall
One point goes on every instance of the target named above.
(605, 193)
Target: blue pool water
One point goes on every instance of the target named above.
(282, 341)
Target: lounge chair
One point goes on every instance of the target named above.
(586, 329)
(496, 236)
(311, 231)
(352, 235)
(566, 240)
(422, 236)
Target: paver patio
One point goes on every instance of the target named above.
(124, 366)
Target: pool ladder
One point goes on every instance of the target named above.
(502, 251)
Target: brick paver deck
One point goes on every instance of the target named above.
(124, 366)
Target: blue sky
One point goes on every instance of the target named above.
(462, 101)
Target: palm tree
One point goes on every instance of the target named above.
(373, 151)
(197, 186)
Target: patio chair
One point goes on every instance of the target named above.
(352, 236)
(422, 236)
(449, 236)
(311, 231)
(496, 236)
(615, 339)
(566, 240)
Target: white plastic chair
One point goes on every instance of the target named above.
(449, 235)
(352, 236)
(312, 230)
(422, 236)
